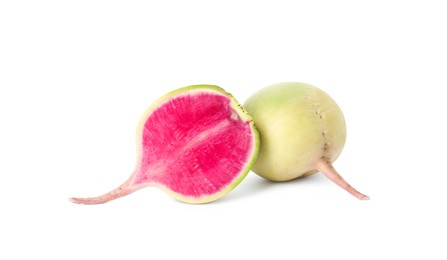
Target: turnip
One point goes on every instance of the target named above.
(302, 131)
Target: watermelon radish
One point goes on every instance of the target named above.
(196, 143)
(302, 132)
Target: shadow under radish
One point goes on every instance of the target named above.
(254, 184)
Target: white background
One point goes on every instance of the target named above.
(75, 77)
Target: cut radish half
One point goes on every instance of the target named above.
(197, 143)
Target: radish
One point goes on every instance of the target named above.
(195, 143)
(302, 131)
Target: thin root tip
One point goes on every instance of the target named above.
(87, 201)
(363, 197)
(74, 200)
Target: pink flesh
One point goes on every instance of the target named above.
(194, 145)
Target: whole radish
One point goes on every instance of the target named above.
(302, 131)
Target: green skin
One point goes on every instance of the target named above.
(302, 131)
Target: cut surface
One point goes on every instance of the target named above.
(196, 143)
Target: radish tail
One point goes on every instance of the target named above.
(324, 166)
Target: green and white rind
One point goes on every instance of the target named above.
(240, 111)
